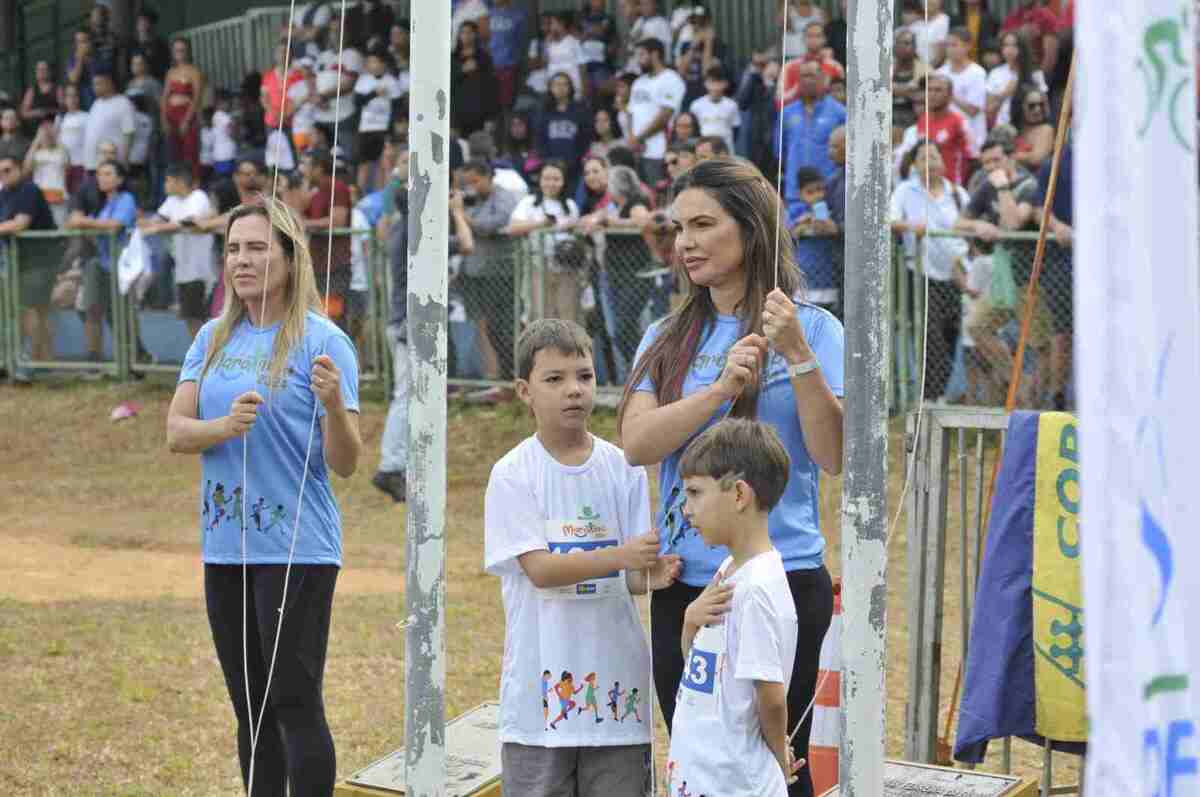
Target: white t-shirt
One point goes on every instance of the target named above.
(377, 113)
(998, 81)
(655, 27)
(305, 117)
(979, 278)
(575, 647)
(360, 245)
(109, 119)
(717, 118)
(72, 132)
(970, 86)
(50, 168)
(928, 35)
(193, 253)
(206, 146)
(329, 72)
(565, 55)
(143, 131)
(911, 203)
(473, 10)
(510, 180)
(717, 745)
(528, 210)
(224, 145)
(650, 94)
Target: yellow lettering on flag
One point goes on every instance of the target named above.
(1061, 704)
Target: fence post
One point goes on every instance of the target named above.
(428, 222)
(864, 499)
(9, 315)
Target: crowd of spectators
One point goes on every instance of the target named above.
(562, 127)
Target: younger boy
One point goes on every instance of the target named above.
(810, 221)
(717, 114)
(730, 735)
(564, 515)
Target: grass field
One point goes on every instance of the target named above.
(109, 682)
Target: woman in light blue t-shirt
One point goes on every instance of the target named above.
(273, 374)
(738, 338)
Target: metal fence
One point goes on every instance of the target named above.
(954, 451)
(965, 329)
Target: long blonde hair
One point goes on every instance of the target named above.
(302, 296)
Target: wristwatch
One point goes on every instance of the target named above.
(800, 369)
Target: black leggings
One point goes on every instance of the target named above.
(812, 592)
(295, 747)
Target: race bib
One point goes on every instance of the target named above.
(699, 685)
(588, 532)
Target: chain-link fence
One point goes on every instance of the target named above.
(964, 326)
(60, 309)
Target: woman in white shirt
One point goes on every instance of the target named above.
(549, 209)
(1017, 70)
(926, 201)
(71, 127)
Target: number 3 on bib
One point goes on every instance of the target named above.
(701, 672)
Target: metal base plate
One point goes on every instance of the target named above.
(472, 758)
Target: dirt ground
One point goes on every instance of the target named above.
(110, 683)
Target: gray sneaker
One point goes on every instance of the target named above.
(394, 483)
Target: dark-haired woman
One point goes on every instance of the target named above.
(1003, 82)
(739, 344)
(564, 130)
(472, 82)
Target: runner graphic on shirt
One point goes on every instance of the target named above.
(614, 698)
(546, 696)
(565, 689)
(236, 513)
(631, 705)
(277, 518)
(207, 489)
(257, 512)
(219, 503)
(589, 698)
(683, 792)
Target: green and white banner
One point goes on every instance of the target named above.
(1137, 350)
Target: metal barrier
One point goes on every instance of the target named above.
(954, 454)
(48, 251)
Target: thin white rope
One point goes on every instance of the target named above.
(256, 728)
(780, 90)
(652, 690)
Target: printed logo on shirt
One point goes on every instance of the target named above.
(229, 366)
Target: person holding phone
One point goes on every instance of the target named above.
(814, 230)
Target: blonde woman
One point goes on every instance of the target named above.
(255, 376)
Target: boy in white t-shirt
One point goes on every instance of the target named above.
(565, 520)
(192, 251)
(730, 734)
(717, 114)
(224, 140)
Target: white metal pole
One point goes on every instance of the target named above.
(864, 501)
(428, 230)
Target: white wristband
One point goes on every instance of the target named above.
(800, 369)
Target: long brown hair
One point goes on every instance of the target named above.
(754, 204)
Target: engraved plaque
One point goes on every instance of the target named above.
(901, 779)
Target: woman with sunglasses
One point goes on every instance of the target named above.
(740, 344)
(1035, 134)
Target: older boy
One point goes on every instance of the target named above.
(560, 518)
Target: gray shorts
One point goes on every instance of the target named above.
(575, 771)
(97, 285)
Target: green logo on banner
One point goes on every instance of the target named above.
(1167, 72)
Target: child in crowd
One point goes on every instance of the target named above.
(974, 279)
(206, 146)
(224, 137)
(46, 162)
(373, 95)
(717, 114)
(814, 251)
(72, 128)
(730, 734)
(139, 149)
(565, 520)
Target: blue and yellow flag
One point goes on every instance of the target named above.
(1024, 674)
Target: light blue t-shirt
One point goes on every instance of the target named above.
(278, 443)
(122, 208)
(794, 522)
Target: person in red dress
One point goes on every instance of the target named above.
(180, 108)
